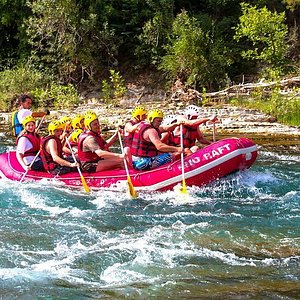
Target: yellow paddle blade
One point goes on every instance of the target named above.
(86, 187)
(183, 189)
(131, 189)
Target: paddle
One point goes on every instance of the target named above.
(85, 186)
(41, 122)
(183, 189)
(214, 131)
(131, 189)
(23, 176)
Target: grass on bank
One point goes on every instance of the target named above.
(286, 109)
(48, 93)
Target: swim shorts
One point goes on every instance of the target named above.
(148, 163)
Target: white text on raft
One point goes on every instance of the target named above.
(209, 155)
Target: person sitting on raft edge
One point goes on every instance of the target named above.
(28, 146)
(148, 151)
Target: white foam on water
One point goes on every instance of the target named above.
(37, 202)
(279, 156)
(120, 274)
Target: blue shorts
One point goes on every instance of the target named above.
(148, 163)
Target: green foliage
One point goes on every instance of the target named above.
(114, 89)
(22, 79)
(63, 96)
(184, 56)
(13, 40)
(291, 4)
(285, 109)
(267, 34)
(154, 35)
(198, 58)
(52, 34)
(26, 79)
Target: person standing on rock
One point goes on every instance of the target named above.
(25, 103)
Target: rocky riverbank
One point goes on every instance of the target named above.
(235, 121)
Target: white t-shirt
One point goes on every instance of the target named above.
(23, 145)
(23, 113)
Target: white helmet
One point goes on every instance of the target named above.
(192, 111)
(168, 120)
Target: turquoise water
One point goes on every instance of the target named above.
(237, 238)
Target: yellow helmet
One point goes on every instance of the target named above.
(76, 121)
(65, 120)
(54, 125)
(155, 113)
(88, 119)
(27, 120)
(75, 134)
(138, 112)
(89, 112)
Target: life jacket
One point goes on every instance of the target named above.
(129, 135)
(89, 156)
(170, 139)
(17, 127)
(139, 146)
(189, 137)
(73, 144)
(48, 162)
(34, 139)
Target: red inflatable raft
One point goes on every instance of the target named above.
(210, 163)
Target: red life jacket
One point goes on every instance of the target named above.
(129, 135)
(139, 146)
(170, 139)
(48, 162)
(35, 140)
(189, 137)
(89, 156)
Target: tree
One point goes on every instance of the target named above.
(12, 36)
(198, 58)
(266, 33)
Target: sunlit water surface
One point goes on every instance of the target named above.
(237, 238)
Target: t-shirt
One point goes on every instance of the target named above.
(23, 145)
(23, 113)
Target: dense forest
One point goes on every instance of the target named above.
(54, 48)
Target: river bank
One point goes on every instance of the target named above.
(234, 121)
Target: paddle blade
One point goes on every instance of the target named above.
(85, 186)
(131, 189)
(183, 189)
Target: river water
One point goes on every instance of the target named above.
(237, 238)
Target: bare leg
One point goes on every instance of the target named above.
(110, 164)
(128, 157)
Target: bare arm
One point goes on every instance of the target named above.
(201, 138)
(111, 140)
(197, 122)
(152, 135)
(170, 127)
(52, 146)
(106, 154)
(131, 128)
(20, 160)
